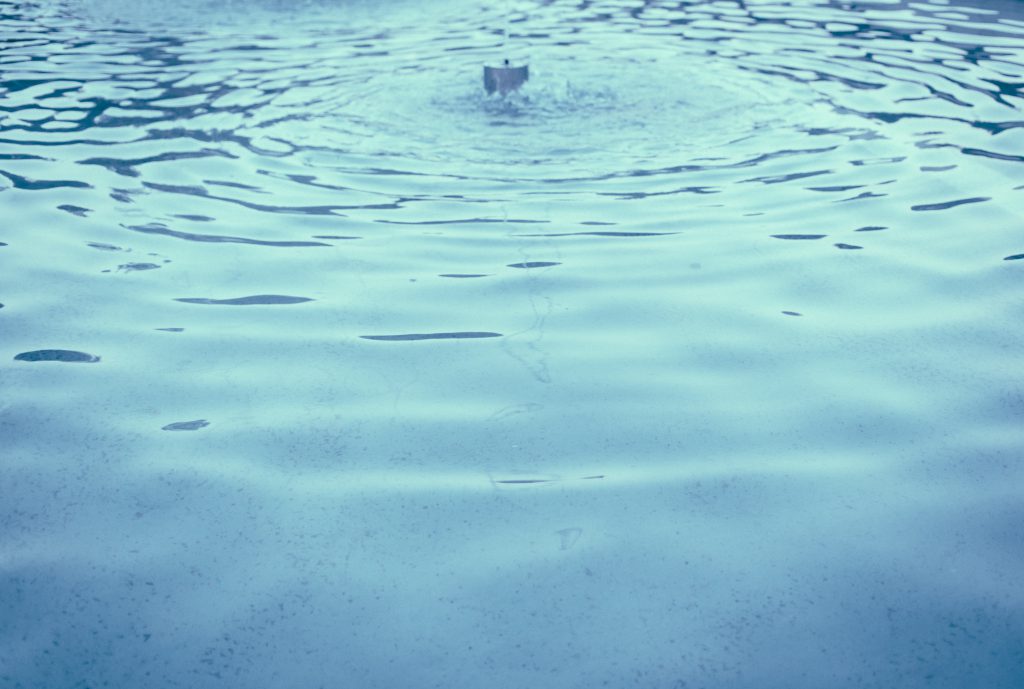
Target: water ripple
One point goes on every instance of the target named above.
(160, 229)
(247, 301)
(66, 355)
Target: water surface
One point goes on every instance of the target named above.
(693, 364)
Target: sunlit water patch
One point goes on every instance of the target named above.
(693, 363)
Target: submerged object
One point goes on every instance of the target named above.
(506, 78)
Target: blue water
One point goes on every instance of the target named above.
(693, 364)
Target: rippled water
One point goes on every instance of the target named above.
(695, 363)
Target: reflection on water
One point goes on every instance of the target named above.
(691, 364)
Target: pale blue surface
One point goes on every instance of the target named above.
(695, 364)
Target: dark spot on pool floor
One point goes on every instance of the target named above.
(186, 425)
(65, 355)
(408, 337)
(247, 301)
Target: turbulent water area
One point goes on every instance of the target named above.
(695, 363)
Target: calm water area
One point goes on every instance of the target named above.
(693, 364)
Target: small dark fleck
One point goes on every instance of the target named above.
(334, 236)
(792, 313)
(848, 246)
(798, 236)
(463, 275)
(172, 330)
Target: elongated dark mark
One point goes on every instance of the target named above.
(66, 355)
(74, 210)
(27, 184)
(305, 210)
(871, 228)
(534, 264)
(599, 234)
(778, 179)
(1015, 257)
(247, 301)
(186, 425)
(799, 236)
(526, 480)
(992, 154)
(842, 187)
(792, 313)
(474, 221)
(430, 336)
(128, 167)
(949, 204)
(462, 275)
(157, 228)
(840, 245)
